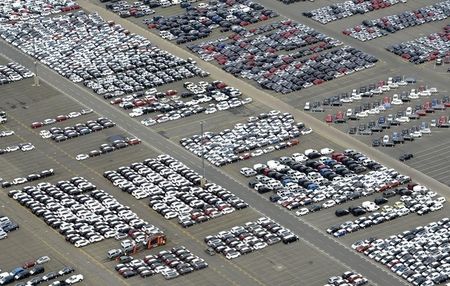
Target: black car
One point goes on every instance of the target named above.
(389, 194)
(406, 157)
(376, 143)
(37, 270)
(10, 226)
(342, 212)
(380, 201)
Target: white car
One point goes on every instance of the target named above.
(74, 279)
(309, 151)
(259, 245)
(413, 94)
(18, 181)
(402, 119)
(45, 134)
(232, 255)
(248, 172)
(362, 114)
(326, 151)
(42, 259)
(302, 212)
(306, 131)
(374, 111)
(86, 111)
(425, 130)
(81, 157)
(81, 243)
(257, 153)
(49, 121)
(148, 122)
(210, 110)
(328, 204)
(73, 114)
(307, 106)
(298, 157)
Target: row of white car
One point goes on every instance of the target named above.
(171, 107)
(419, 255)
(102, 55)
(24, 147)
(23, 10)
(262, 134)
(79, 211)
(12, 72)
(173, 190)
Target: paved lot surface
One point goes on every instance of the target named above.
(302, 262)
(281, 261)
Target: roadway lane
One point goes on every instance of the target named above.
(314, 237)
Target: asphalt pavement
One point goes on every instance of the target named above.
(309, 234)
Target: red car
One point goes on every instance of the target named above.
(36, 125)
(60, 118)
(329, 118)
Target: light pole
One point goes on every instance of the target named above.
(203, 180)
(36, 77)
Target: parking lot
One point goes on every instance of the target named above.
(61, 157)
(304, 260)
(357, 127)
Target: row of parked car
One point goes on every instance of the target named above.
(170, 105)
(32, 268)
(6, 225)
(198, 22)
(6, 133)
(250, 237)
(174, 190)
(170, 264)
(259, 135)
(420, 255)
(418, 200)
(59, 134)
(316, 180)
(274, 37)
(371, 29)
(115, 61)
(79, 211)
(29, 9)
(24, 147)
(105, 148)
(427, 48)
(341, 10)
(347, 278)
(259, 58)
(367, 91)
(3, 117)
(30, 178)
(21, 273)
(369, 109)
(12, 72)
(124, 9)
(60, 118)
